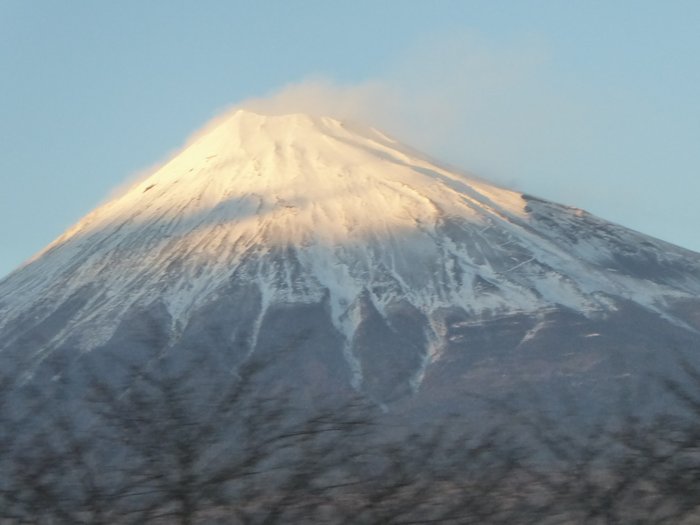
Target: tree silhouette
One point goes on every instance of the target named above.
(190, 441)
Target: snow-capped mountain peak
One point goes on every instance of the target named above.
(260, 213)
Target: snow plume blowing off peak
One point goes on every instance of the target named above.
(323, 98)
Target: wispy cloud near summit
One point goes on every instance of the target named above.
(489, 109)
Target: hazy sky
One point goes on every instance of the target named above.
(590, 103)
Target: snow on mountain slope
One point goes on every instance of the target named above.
(266, 211)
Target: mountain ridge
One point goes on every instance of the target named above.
(265, 219)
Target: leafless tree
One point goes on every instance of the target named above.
(191, 441)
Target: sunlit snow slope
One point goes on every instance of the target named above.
(365, 258)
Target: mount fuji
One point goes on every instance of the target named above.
(355, 264)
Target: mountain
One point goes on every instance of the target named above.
(354, 263)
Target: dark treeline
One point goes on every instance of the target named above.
(195, 442)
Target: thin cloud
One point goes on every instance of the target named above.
(492, 110)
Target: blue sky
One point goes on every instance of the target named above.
(590, 103)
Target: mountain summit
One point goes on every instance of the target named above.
(364, 264)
